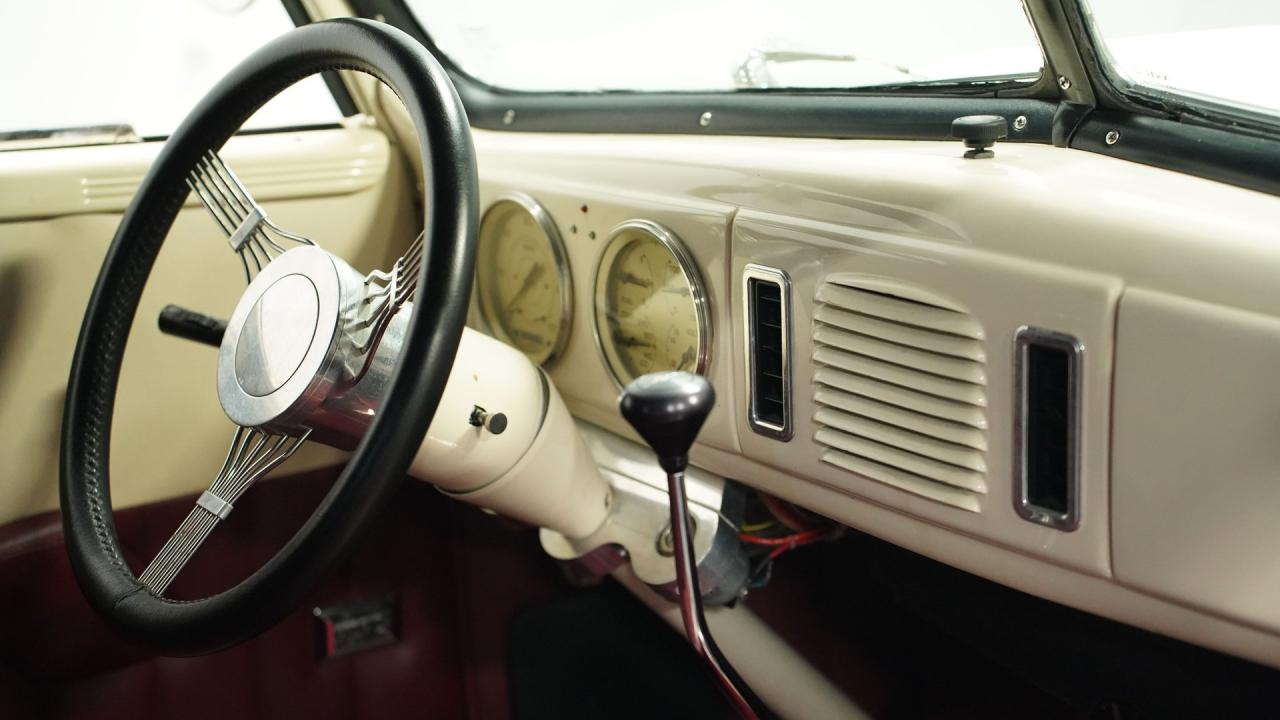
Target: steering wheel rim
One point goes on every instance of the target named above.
(382, 458)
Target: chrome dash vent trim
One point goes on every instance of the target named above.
(900, 389)
(768, 350)
(1064, 513)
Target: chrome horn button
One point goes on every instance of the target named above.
(276, 335)
(278, 359)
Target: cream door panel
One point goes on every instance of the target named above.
(1197, 455)
(56, 182)
(350, 195)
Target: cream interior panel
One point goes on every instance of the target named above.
(1197, 454)
(1066, 208)
(170, 435)
(1038, 236)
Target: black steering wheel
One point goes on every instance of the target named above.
(441, 271)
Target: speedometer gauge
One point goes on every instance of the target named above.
(651, 307)
(522, 278)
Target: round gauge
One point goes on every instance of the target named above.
(522, 278)
(651, 307)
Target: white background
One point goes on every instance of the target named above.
(140, 62)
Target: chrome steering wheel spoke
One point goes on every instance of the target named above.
(251, 235)
(385, 293)
(253, 453)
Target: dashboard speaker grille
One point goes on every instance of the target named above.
(900, 389)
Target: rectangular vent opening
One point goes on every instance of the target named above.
(1048, 427)
(767, 298)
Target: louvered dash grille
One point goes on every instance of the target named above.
(900, 389)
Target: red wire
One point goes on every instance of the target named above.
(774, 553)
(785, 513)
(790, 540)
(787, 516)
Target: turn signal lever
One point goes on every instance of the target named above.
(668, 409)
(191, 325)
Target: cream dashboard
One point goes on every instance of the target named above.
(881, 321)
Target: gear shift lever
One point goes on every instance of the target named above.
(668, 409)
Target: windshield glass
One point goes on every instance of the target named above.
(710, 45)
(1225, 52)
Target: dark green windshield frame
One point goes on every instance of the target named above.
(1074, 103)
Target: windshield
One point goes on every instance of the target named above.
(711, 45)
(1225, 52)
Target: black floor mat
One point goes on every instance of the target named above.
(602, 654)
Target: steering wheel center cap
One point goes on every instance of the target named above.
(278, 360)
(276, 335)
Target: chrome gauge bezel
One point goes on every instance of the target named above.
(692, 276)
(561, 258)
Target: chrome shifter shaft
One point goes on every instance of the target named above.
(668, 409)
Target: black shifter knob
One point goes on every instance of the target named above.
(668, 409)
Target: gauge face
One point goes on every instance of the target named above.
(522, 278)
(651, 309)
